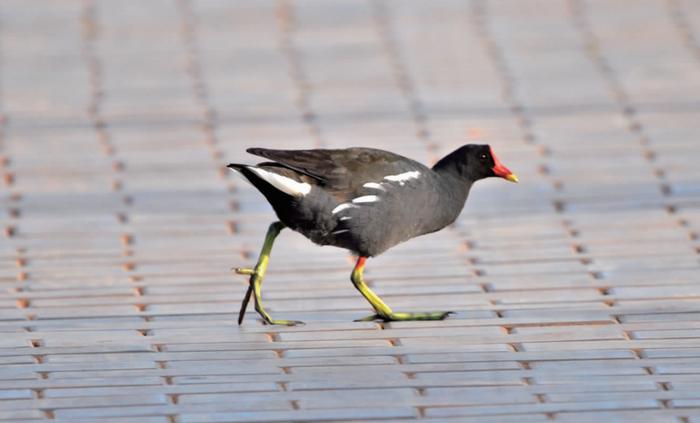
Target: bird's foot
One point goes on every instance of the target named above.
(253, 273)
(402, 317)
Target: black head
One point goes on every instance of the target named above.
(472, 162)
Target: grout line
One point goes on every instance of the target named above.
(684, 27)
(525, 122)
(90, 36)
(687, 34)
(209, 116)
(578, 12)
(287, 25)
(11, 231)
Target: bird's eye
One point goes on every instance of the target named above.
(483, 157)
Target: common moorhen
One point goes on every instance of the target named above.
(365, 200)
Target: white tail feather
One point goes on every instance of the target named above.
(282, 183)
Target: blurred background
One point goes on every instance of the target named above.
(576, 291)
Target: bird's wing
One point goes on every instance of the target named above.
(342, 172)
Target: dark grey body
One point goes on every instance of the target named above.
(403, 210)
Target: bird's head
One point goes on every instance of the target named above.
(473, 162)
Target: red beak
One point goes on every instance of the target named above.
(500, 170)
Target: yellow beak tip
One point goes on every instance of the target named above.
(512, 178)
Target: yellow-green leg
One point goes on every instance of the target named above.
(384, 312)
(256, 278)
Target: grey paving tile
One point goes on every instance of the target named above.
(305, 415)
(574, 291)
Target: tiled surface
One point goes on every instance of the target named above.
(576, 290)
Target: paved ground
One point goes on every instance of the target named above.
(577, 290)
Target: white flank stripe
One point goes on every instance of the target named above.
(342, 207)
(340, 231)
(374, 185)
(282, 183)
(401, 178)
(366, 199)
(345, 218)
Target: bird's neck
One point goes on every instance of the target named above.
(453, 165)
(451, 173)
(453, 191)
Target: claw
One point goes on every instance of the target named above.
(244, 304)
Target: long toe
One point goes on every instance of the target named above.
(283, 322)
(438, 315)
(370, 318)
(403, 317)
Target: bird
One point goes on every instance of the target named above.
(364, 200)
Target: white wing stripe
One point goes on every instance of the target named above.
(341, 207)
(374, 185)
(401, 178)
(366, 199)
